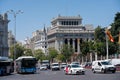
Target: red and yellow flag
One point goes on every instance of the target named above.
(109, 35)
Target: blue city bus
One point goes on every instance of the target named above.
(25, 64)
(6, 66)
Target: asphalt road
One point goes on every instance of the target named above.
(59, 75)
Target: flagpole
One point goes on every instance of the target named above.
(107, 47)
(108, 35)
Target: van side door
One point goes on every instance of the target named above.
(99, 66)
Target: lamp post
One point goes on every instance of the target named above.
(107, 46)
(15, 13)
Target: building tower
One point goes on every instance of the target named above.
(4, 35)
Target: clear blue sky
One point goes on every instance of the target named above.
(40, 12)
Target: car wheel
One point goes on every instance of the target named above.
(83, 73)
(113, 71)
(103, 70)
(71, 72)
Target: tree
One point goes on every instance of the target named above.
(67, 51)
(100, 48)
(61, 57)
(19, 51)
(28, 52)
(100, 41)
(52, 53)
(115, 29)
(38, 54)
(84, 47)
(99, 34)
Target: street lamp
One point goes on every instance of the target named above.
(15, 15)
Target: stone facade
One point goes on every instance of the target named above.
(11, 40)
(38, 41)
(4, 35)
(63, 30)
(68, 30)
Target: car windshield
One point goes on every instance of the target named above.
(75, 66)
(75, 63)
(106, 63)
(63, 64)
(55, 64)
(43, 65)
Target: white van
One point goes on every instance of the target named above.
(115, 62)
(103, 66)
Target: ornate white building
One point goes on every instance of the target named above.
(68, 30)
(63, 30)
(38, 41)
(4, 35)
(41, 43)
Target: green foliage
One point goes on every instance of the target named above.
(18, 49)
(113, 48)
(100, 48)
(100, 38)
(39, 55)
(116, 27)
(99, 34)
(52, 53)
(61, 57)
(67, 51)
(28, 52)
(86, 47)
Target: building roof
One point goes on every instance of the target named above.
(59, 17)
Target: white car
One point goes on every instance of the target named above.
(74, 69)
(55, 66)
(63, 65)
(43, 67)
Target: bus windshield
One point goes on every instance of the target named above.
(28, 63)
(3, 63)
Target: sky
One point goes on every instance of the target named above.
(37, 13)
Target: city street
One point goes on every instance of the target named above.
(59, 75)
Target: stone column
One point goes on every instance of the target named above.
(56, 44)
(73, 44)
(61, 43)
(68, 42)
(78, 46)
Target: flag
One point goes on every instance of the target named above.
(109, 35)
